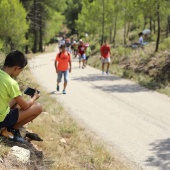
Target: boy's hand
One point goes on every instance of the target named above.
(36, 95)
(70, 70)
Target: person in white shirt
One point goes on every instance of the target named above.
(140, 41)
(61, 42)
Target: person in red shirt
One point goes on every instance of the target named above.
(63, 66)
(105, 56)
(81, 52)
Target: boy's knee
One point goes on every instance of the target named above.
(39, 107)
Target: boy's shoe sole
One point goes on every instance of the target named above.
(7, 134)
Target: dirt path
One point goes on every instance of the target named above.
(132, 119)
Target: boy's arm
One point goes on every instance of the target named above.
(56, 65)
(26, 104)
(70, 65)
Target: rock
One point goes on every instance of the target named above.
(63, 141)
(20, 154)
(45, 113)
(1, 160)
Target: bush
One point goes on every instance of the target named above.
(133, 27)
(165, 45)
(132, 37)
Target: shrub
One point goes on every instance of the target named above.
(165, 45)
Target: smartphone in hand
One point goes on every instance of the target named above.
(29, 91)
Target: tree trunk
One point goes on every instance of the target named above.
(154, 26)
(168, 26)
(110, 38)
(150, 23)
(35, 27)
(169, 23)
(125, 33)
(115, 30)
(145, 22)
(103, 22)
(41, 36)
(26, 47)
(35, 41)
(159, 28)
(128, 29)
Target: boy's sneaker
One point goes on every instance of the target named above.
(7, 133)
(17, 136)
(58, 88)
(102, 72)
(107, 72)
(64, 91)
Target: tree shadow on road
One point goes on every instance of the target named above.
(95, 77)
(126, 88)
(121, 88)
(161, 155)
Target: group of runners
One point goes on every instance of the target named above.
(81, 50)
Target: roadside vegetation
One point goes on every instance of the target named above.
(142, 65)
(33, 25)
(66, 145)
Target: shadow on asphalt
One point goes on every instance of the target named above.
(161, 155)
(55, 93)
(121, 88)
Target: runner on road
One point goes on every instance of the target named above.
(63, 66)
(105, 56)
(81, 52)
(88, 52)
(62, 41)
(75, 48)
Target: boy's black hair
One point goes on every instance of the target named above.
(140, 34)
(15, 58)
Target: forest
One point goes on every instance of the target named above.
(29, 25)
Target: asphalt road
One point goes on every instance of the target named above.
(132, 120)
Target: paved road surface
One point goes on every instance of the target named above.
(132, 119)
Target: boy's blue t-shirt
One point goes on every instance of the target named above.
(9, 89)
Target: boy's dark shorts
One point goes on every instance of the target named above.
(10, 119)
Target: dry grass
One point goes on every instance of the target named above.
(144, 66)
(66, 145)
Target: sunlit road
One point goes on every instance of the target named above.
(133, 121)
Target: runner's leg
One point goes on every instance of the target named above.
(65, 79)
(108, 65)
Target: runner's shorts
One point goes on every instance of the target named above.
(82, 57)
(60, 73)
(10, 119)
(106, 60)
